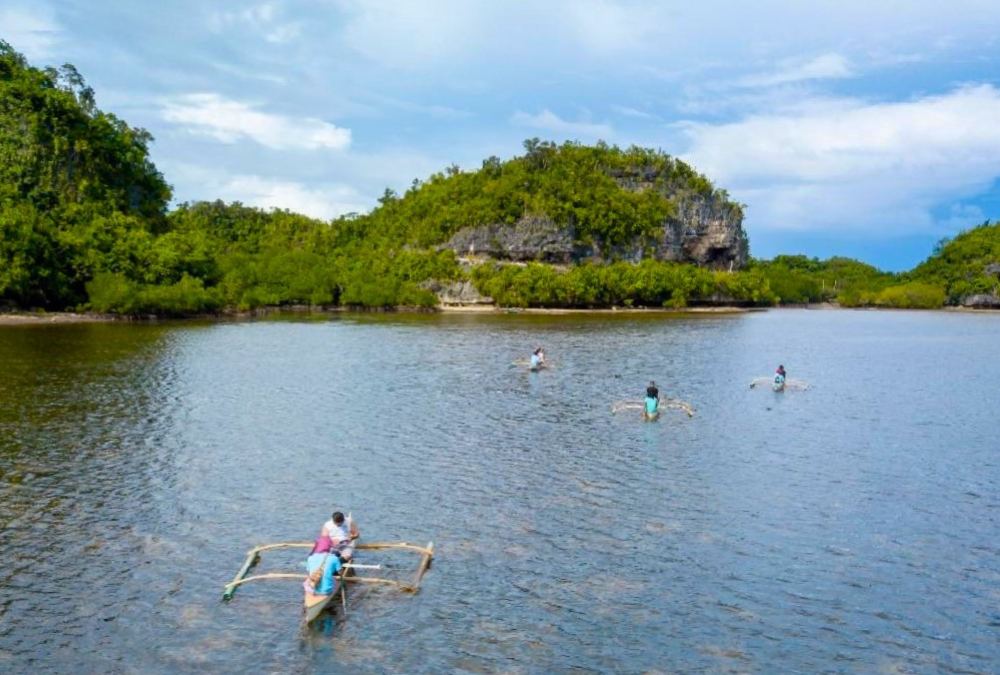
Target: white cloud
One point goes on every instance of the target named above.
(248, 74)
(866, 167)
(440, 112)
(411, 35)
(549, 121)
(324, 202)
(229, 121)
(962, 216)
(31, 29)
(603, 27)
(263, 19)
(630, 35)
(827, 66)
(632, 112)
(457, 34)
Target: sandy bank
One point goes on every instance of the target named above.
(29, 319)
(490, 309)
(20, 319)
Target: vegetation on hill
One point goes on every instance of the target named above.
(968, 265)
(85, 224)
(797, 279)
(76, 183)
(84, 221)
(574, 185)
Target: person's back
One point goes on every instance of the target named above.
(537, 359)
(779, 378)
(321, 566)
(652, 399)
(652, 405)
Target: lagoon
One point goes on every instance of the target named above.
(849, 528)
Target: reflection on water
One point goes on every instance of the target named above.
(850, 528)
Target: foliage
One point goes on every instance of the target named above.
(912, 295)
(84, 222)
(650, 283)
(114, 293)
(608, 195)
(966, 265)
(72, 177)
(797, 279)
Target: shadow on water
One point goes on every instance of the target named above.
(848, 528)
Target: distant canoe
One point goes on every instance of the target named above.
(526, 363)
(668, 403)
(798, 385)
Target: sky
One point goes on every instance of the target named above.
(846, 127)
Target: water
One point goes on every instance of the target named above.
(850, 528)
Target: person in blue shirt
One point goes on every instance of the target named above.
(652, 409)
(322, 566)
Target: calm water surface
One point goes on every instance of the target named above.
(850, 528)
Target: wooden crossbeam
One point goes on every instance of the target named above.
(379, 545)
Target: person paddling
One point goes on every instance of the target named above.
(652, 409)
(780, 377)
(322, 565)
(342, 532)
(537, 359)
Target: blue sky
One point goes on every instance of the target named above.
(863, 128)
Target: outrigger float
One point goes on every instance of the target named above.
(665, 404)
(797, 385)
(315, 604)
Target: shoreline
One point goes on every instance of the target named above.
(491, 309)
(50, 318)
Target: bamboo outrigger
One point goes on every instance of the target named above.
(315, 604)
(667, 403)
(798, 385)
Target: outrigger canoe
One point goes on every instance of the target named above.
(780, 385)
(314, 604)
(668, 404)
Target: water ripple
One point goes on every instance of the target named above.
(846, 529)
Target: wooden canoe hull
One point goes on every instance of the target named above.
(315, 604)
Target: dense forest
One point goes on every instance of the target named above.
(86, 223)
(962, 271)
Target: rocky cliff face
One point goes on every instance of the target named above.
(981, 301)
(707, 231)
(986, 300)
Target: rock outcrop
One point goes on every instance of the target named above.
(982, 301)
(531, 238)
(985, 300)
(458, 293)
(704, 230)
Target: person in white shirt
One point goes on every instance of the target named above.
(342, 531)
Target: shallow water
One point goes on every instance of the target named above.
(850, 528)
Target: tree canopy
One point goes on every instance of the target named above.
(85, 223)
(74, 182)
